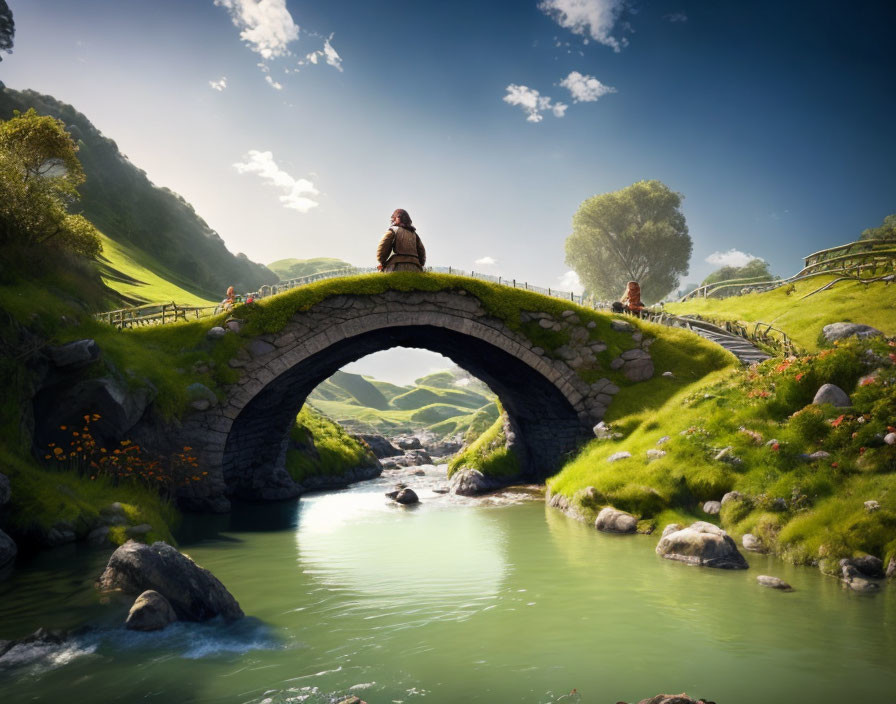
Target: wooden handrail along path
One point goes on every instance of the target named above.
(855, 259)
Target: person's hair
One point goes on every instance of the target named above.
(403, 217)
(633, 285)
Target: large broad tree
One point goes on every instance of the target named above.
(39, 176)
(7, 28)
(886, 230)
(635, 234)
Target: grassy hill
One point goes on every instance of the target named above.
(363, 404)
(297, 268)
(802, 318)
(157, 226)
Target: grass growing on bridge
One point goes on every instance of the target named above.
(848, 301)
(805, 510)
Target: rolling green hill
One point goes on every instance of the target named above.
(156, 225)
(368, 405)
(297, 268)
(803, 318)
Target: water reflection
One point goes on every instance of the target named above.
(423, 561)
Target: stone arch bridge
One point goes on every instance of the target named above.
(242, 441)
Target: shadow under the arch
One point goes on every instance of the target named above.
(545, 426)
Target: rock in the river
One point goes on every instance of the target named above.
(832, 394)
(867, 566)
(752, 543)
(408, 442)
(773, 583)
(440, 490)
(379, 445)
(8, 549)
(839, 331)
(470, 482)
(407, 496)
(712, 507)
(417, 458)
(74, 355)
(5, 490)
(150, 612)
(672, 699)
(194, 593)
(611, 520)
(702, 544)
(861, 585)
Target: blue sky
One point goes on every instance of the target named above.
(773, 119)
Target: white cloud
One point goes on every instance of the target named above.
(328, 54)
(220, 84)
(585, 89)
(733, 257)
(485, 261)
(589, 18)
(570, 282)
(272, 83)
(532, 102)
(265, 25)
(297, 193)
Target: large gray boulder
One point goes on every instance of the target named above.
(839, 331)
(8, 550)
(470, 482)
(74, 355)
(406, 496)
(611, 520)
(765, 580)
(379, 445)
(407, 442)
(701, 544)
(832, 394)
(194, 593)
(150, 612)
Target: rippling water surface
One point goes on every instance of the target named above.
(453, 600)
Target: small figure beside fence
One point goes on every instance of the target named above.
(630, 301)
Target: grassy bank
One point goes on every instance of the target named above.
(321, 448)
(489, 454)
(753, 431)
(803, 318)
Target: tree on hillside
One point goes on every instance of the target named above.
(886, 231)
(7, 28)
(754, 269)
(635, 234)
(39, 176)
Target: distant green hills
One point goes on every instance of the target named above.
(155, 225)
(446, 403)
(297, 268)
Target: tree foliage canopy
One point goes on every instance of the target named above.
(635, 234)
(754, 269)
(886, 230)
(7, 28)
(39, 176)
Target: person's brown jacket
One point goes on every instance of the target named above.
(400, 246)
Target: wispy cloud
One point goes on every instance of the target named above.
(272, 83)
(733, 257)
(585, 89)
(570, 282)
(532, 102)
(265, 25)
(676, 17)
(298, 194)
(328, 54)
(220, 84)
(485, 261)
(594, 19)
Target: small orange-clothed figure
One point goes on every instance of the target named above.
(631, 299)
(229, 299)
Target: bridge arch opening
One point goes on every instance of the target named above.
(544, 424)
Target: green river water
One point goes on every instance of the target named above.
(454, 600)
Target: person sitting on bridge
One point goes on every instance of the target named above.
(631, 300)
(400, 249)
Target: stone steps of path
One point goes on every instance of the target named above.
(747, 352)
